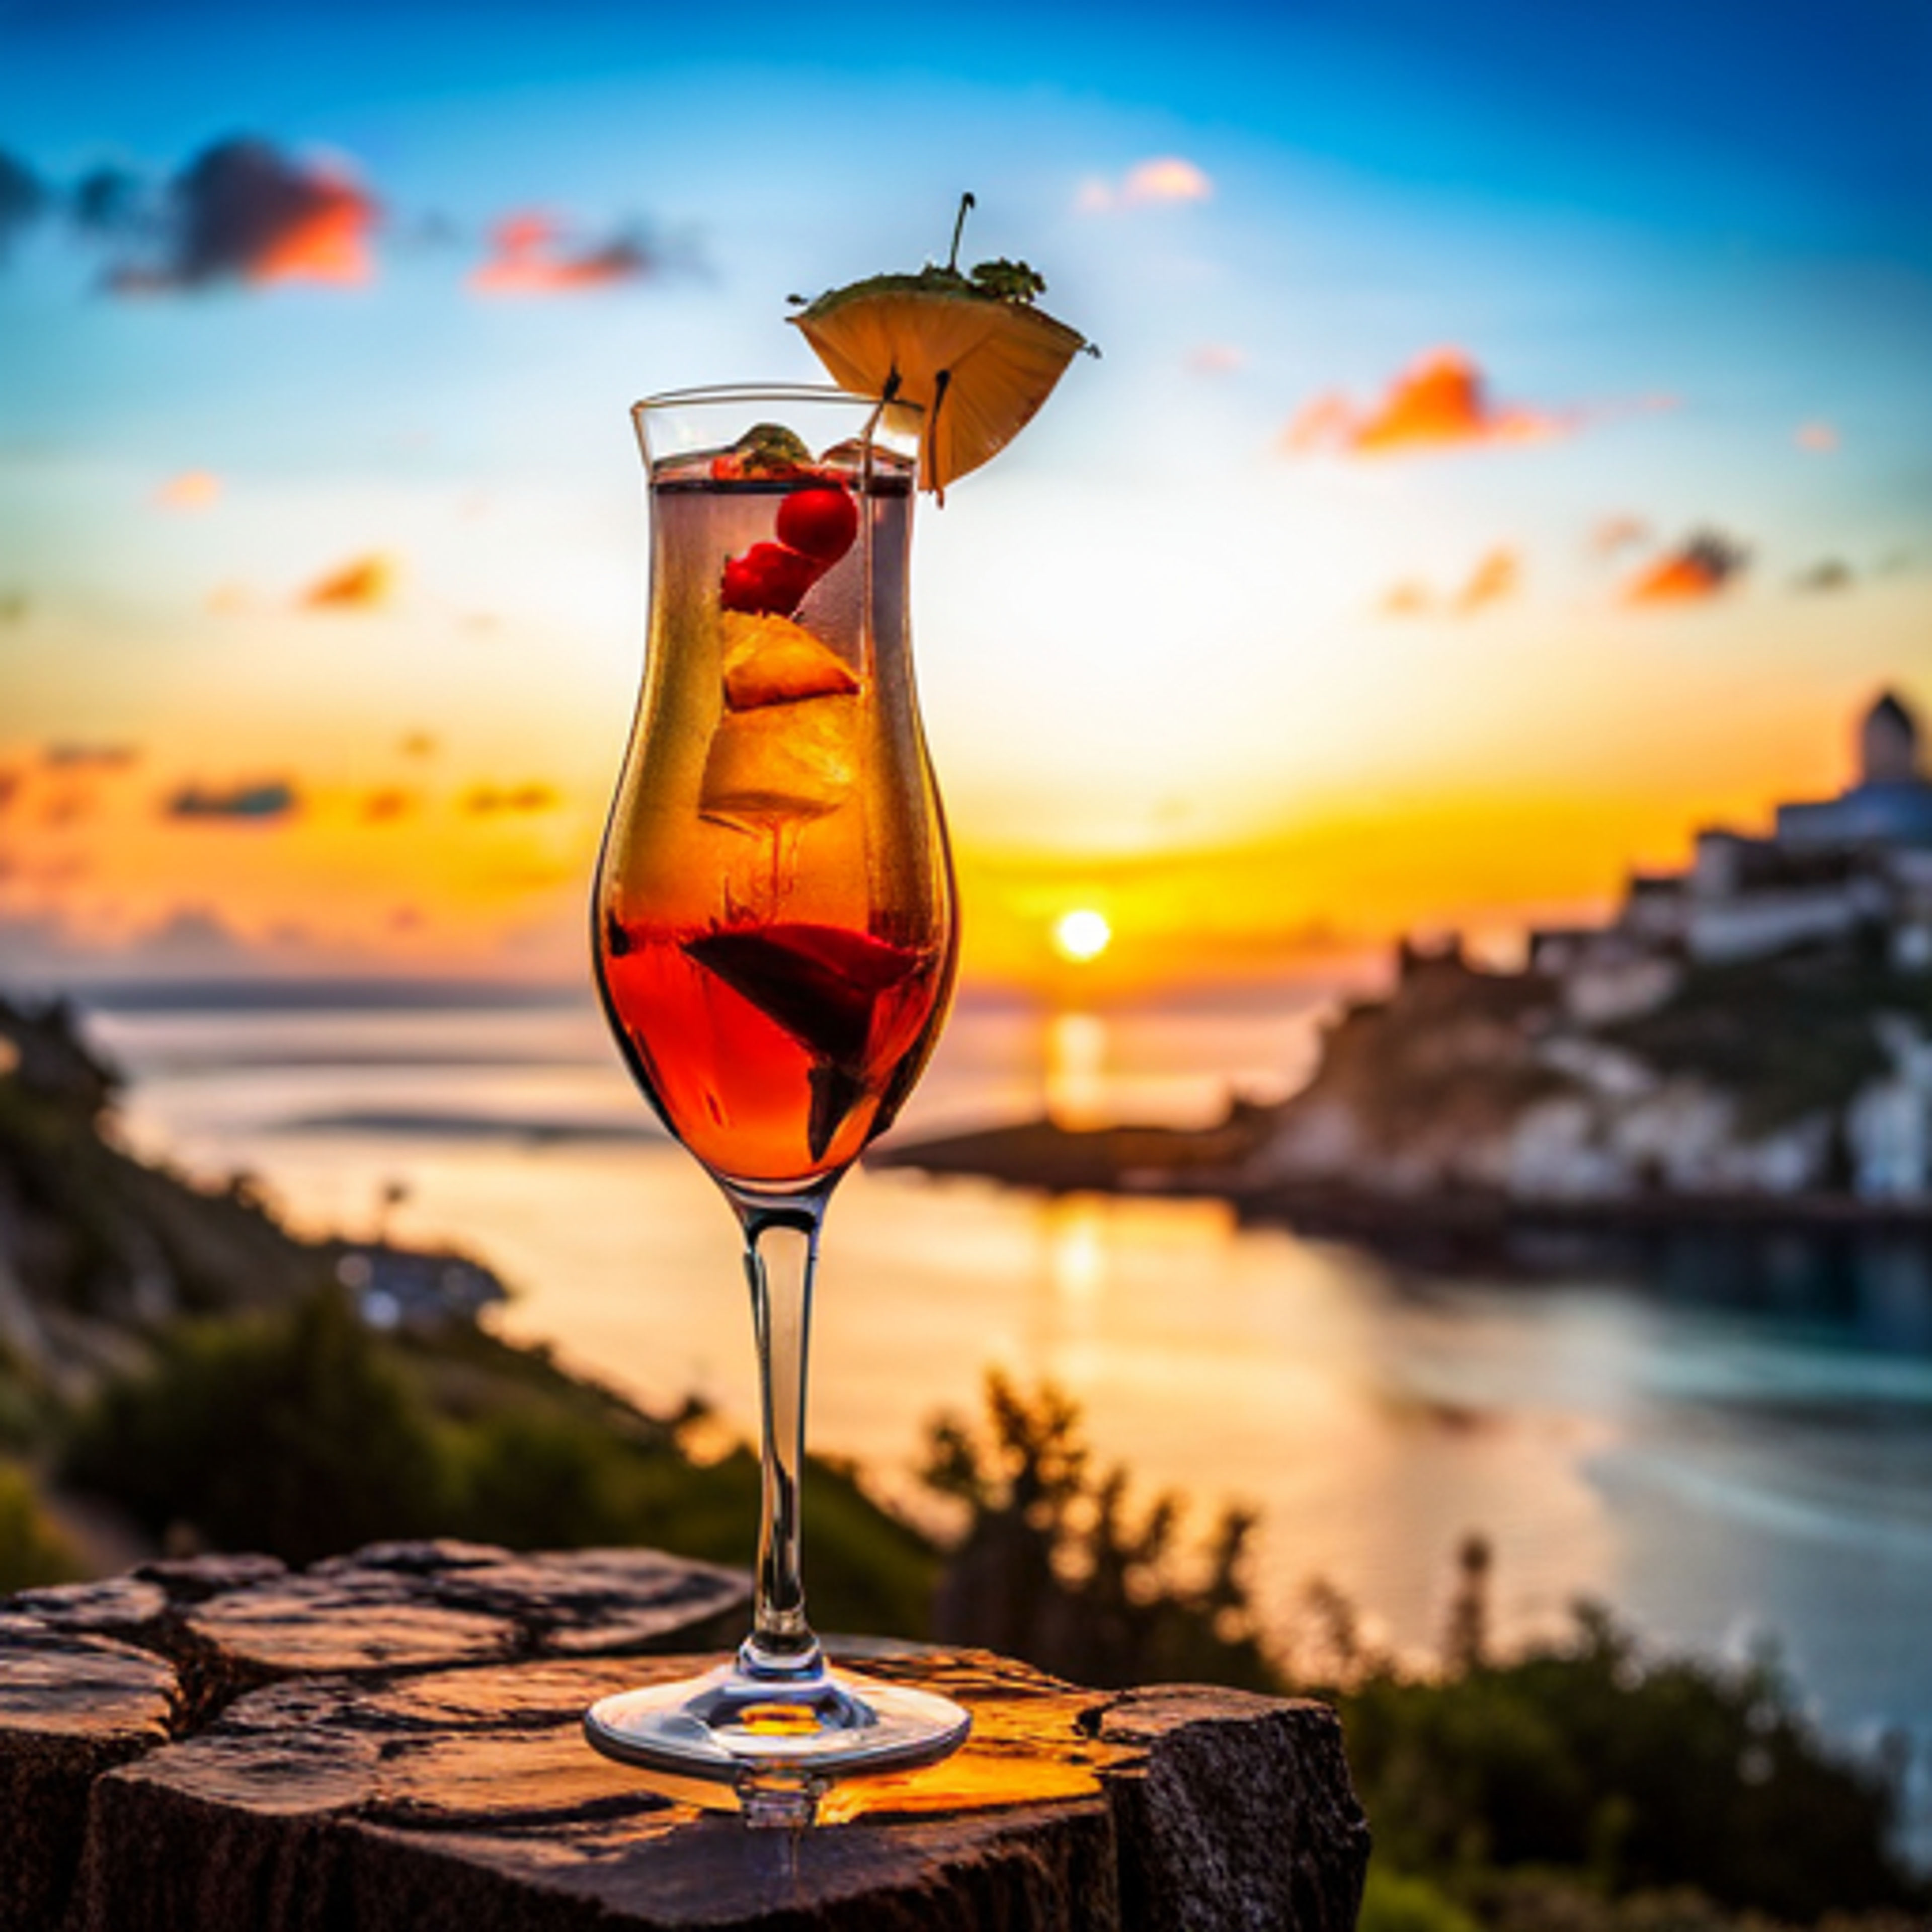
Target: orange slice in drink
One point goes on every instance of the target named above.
(770, 660)
(970, 349)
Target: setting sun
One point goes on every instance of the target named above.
(1081, 934)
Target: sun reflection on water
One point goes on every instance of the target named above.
(1076, 1234)
(1074, 1063)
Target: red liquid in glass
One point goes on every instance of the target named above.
(775, 927)
(775, 1054)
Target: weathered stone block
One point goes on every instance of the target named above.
(71, 1707)
(411, 1756)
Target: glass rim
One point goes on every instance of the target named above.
(766, 392)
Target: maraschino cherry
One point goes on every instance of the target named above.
(816, 527)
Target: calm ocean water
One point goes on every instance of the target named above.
(1730, 1451)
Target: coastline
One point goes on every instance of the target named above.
(1044, 1157)
(1648, 1443)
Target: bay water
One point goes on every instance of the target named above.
(1728, 1453)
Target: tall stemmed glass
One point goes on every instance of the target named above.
(775, 943)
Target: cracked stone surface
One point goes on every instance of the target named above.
(71, 1707)
(393, 1740)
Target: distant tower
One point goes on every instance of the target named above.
(1888, 744)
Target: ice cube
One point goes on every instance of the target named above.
(780, 762)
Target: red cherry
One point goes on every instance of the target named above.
(769, 579)
(820, 522)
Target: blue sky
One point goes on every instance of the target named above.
(1804, 126)
(1685, 251)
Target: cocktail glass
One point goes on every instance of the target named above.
(776, 941)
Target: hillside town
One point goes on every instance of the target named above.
(1759, 1025)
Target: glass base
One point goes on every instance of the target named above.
(779, 1740)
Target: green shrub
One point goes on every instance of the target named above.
(537, 1477)
(296, 1433)
(1392, 1902)
(1636, 1775)
(31, 1550)
(304, 1435)
(1053, 1566)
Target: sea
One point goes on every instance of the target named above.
(1734, 1452)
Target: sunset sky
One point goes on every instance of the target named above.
(1512, 447)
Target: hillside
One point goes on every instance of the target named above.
(179, 1369)
(1804, 1076)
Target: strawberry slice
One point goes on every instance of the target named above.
(769, 579)
(821, 983)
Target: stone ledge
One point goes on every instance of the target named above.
(392, 1741)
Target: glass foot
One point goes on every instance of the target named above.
(779, 1740)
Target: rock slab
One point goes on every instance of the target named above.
(319, 1752)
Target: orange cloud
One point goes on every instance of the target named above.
(1493, 581)
(1322, 421)
(1165, 178)
(257, 801)
(242, 211)
(69, 754)
(1818, 436)
(365, 583)
(382, 808)
(327, 243)
(528, 261)
(1162, 178)
(1698, 569)
(1217, 359)
(67, 807)
(487, 800)
(192, 490)
(1830, 573)
(1437, 402)
(1616, 533)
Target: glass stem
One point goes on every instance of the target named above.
(781, 1257)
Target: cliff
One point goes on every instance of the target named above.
(1803, 1076)
(1795, 1086)
(99, 1250)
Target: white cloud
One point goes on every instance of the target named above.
(1166, 178)
(1161, 178)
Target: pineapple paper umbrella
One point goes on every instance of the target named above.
(970, 349)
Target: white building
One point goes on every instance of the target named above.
(1855, 869)
(1831, 869)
